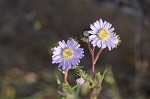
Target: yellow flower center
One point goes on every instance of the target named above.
(103, 34)
(67, 53)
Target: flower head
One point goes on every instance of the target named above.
(102, 34)
(80, 81)
(67, 54)
(118, 41)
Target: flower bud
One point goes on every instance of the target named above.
(86, 33)
(80, 81)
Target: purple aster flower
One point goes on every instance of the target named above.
(102, 35)
(67, 54)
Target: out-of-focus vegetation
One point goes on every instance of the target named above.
(29, 28)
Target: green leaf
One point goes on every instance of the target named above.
(58, 79)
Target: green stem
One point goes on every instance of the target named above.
(78, 91)
(75, 87)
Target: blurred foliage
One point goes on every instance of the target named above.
(110, 81)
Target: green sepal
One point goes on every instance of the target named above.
(84, 39)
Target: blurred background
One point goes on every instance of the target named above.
(29, 28)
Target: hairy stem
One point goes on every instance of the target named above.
(97, 56)
(65, 76)
(93, 65)
(94, 95)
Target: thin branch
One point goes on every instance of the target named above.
(65, 76)
(93, 65)
(97, 56)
